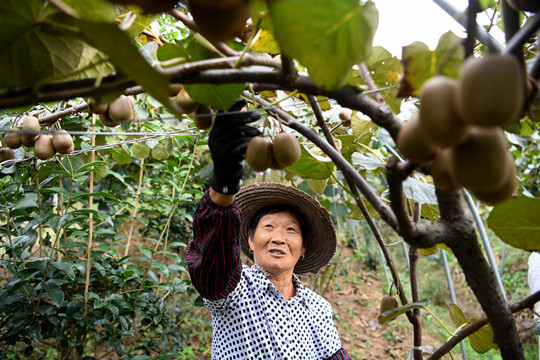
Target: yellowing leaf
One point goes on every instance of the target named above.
(421, 63)
(266, 43)
(327, 37)
(317, 185)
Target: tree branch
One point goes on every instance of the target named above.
(527, 303)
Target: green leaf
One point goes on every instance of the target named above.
(86, 166)
(418, 191)
(108, 38)
(29, 200)
(65, 267)
(362, 129)
(457, 315)
(517, 222)
(169, 51)
(394, 313)
(160, 152)
(327, 37)
(387, 70)
(482, 339)
(34, 48)
(97, 10)
(140, 150)
(421, 63)
(221, 96)
(312, 166)
(367, 163)
(54, 292)
(95, 194)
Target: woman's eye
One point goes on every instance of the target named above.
(269, 226)
(292, 229)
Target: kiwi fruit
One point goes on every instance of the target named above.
(389, 302)
(12, 138)
(440, 120)
(186, 103)
(286, 149)
(259, 153)
(6, 154)
(491, 90)
(121, 109)
(204, 117)
(345, 116)
(44, 149)
(30, 123)
(220, 20)
(174, 89)
(411, 142)
(525, 5)
(481, 163)
(500, 194)
(97, 108)
(441, 171)
(63, 142)
(106, 120)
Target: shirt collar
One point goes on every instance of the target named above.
(262, 283)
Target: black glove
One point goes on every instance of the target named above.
(228, 141)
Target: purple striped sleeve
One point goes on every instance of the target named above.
(341, 354)
(213, 256)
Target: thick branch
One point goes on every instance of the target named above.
(527, 303)
(521, 36)
(511, 24)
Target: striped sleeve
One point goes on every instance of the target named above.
(213, 256)
(341, 354)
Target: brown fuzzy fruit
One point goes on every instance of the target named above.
(440, 120)
(44, 149)
(97, 108)
(204, 117)
(441, 171)
(259, 154)
(345, 116)
(481, 163)
(106, 120)
(30, 123)
(220, 20)
(12, 138)
(174, 89)
(286, 149)
(186, 103)
(121, 109)
(502, 193)
(411, 142)
(63, 142)
(6, 154)
(492, 90)
(389, 302)
(525, 5)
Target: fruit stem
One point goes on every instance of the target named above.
(440, 321)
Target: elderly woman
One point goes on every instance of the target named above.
(262, 311)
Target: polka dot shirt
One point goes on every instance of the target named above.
(255, 322)
(250, 318)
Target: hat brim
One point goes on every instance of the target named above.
(321, 241)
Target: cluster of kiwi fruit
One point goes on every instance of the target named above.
(45, 145)
(114, 113)
(203, 115)
(459, 127)
(220, 20)
(262, 153)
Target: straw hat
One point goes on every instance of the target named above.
(321, 241)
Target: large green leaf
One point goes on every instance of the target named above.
(517, 222)
(394, 313)
(108, 38)
(221, 96)
(312, 166)
(34, 48)
(54, 292)
(421, 63)
(482, 339)
(327, 37)
(386, 70)
(362, 129)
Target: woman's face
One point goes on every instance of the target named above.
(277, 242)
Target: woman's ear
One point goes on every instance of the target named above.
(250, 241)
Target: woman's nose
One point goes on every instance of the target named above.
(278, 240)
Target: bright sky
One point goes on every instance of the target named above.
(402, 22)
